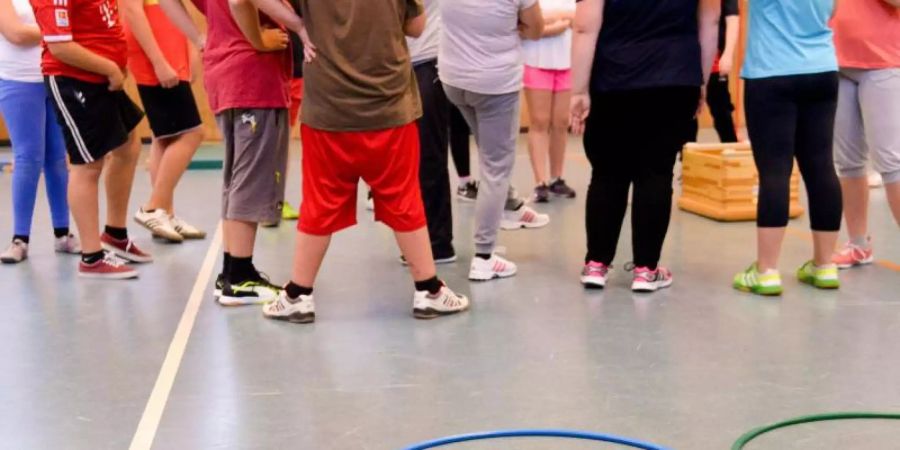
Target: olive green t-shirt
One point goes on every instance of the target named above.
(362, 78)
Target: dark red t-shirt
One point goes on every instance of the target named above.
(235, 74)
(94, 24)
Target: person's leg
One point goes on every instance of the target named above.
(22, 105)
(459, 144)
(540, 108)
(84, 181)
(670, 113)
(177, 153)
(718, 97)
(559, 132)
(434, 172)
(814, 143)
(155, 159)
(56, 172)
(851, 155)
(880, 101)
(121, 166)
(772, 124)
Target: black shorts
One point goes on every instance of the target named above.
(171, 111)
(95, 121)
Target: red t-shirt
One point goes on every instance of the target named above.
(92, 23)
(867, 34)
(234, 73)
(171, 41)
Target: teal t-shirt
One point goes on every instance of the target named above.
(789, 37)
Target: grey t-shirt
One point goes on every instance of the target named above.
(480, 47)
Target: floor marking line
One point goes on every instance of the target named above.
(156, 404)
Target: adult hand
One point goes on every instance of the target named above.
(166, 75)
(579, 109)
(309, 49)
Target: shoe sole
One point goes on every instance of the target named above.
(431, 313)
(194, 237)
(488, 276)
(864, 262)
(116, 276)
(646, 288)
(12, 260)
(240, 301)
(169, 237)
(590, 283)
(126, 256)
(513, 226)
(772, 293)
(300, 318)
(830, 286)
(438, 261)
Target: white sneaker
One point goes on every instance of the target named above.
(646, 280)
(302, 310)
(444, 303)
(186, 230)
(15, 253)
(524, 217)
(159, 223)
(69, 245)
(489, 269)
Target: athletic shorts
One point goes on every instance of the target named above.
(171, 111)
(95, 120)
(548, 79)
(256, 149)
(333, 164)
(296, 99)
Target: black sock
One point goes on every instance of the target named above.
(484, 256)
(22, 238)
(226, 263)
(294, 291)
(61, 232)
(91, 258)
(241, 270)
(432, 285)
(119, 234)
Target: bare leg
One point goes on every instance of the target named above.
(174, 162)
(416, 248)
(559, 133)
(856, 206)
(824, 243)
(768, 247)
(83, 194)
(240, 237)
(156, 154)
(309, 252)
(893, 195)
(119, 180)
(539, 111)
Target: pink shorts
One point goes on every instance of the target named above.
(548, 79)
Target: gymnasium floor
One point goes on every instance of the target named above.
(689, 368)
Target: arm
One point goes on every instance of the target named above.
(531, 22)
(556, 27)
(415, 26)
(285, 15)
(247, 17)
(732, 33)
(73, 54)
(14, 30)
(140, 27)
(894, 3)
(708, 19)
(179, 16)
(588, 21)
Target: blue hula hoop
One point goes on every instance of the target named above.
(566, 434)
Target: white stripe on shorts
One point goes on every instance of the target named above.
(70, 123)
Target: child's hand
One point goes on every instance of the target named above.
(274, 39)
(116, 80)
(166, 75)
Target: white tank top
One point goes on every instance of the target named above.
(19, 63)
(553, 52)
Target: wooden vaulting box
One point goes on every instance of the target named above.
(720, 182)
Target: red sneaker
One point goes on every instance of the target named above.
(852, 256)
(125, 249)
(108, 268)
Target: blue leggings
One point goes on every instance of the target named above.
(38, 145)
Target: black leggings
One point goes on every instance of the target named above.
(633, 137)
(459, 142)
(793, 117)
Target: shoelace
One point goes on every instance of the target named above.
(113, 260)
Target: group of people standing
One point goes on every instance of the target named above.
(388, 86)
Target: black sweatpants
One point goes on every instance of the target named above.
(793, 117)
(633, 138)
(459, 142)
(434, 173)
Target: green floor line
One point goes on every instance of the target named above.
(757, 432)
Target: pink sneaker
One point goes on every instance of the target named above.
(108, 268)
(125, 249)
(594, 275)
(646, 280)
(852, 255)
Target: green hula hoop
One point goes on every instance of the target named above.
(757, 432)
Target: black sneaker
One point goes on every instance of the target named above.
(250, 292)
(559, 188)
(542, 193)
(467, 192)
(220, 284)
(438, 259)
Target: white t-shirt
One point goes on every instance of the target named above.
(425, 47)
(19, 63)
(553, 52)
(480, 47)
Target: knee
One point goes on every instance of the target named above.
(129, 152)
(539, 123)
(560, 124)
(87, 172)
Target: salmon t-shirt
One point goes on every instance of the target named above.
(867, 34)
(172, 43)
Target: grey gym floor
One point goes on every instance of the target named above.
(692, 367)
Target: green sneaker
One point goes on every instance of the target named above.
(822, 277)
(288, 212)
(257, 291)
(751, 280)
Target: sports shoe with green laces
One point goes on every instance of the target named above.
(822, 277)
(288, 212)
(751, 280)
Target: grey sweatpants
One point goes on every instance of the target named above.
(868, 121)
(494, 120)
